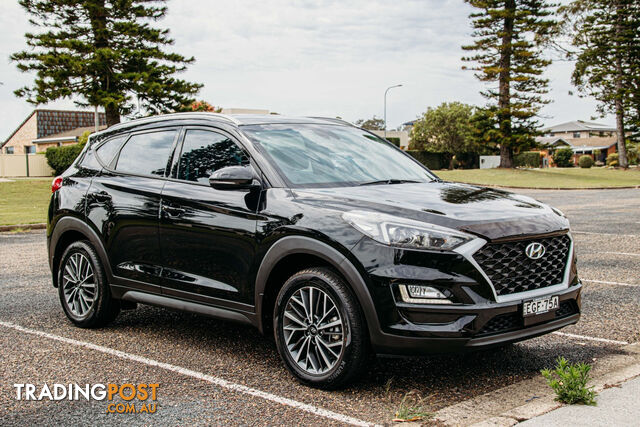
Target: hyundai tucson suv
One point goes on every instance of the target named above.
(318, 233)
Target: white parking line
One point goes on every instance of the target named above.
(194, 374)
(604, 234)
(586, 338)
(621, 253)
(604, 282)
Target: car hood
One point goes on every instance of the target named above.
(487, 212)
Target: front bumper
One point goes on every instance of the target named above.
(471, 326)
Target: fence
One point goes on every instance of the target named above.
(19, 165)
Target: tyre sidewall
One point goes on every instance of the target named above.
(99, 312)
(349, 312)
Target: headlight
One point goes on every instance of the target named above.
(405, 233)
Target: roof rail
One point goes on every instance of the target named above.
(158, 117)
(332, 119)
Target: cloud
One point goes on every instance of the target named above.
(322, 57)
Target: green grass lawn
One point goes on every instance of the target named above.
(24, 201)
(546, 178)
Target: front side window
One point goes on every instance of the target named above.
(30, 149)
(146, 153)
(204, 152)
(9, 150)
(311, 155)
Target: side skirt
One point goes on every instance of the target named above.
(191, 307)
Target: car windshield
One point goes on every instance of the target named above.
(318, 155)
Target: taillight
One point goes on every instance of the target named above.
(56, 184)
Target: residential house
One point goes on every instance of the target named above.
(50, 128)
(582, 137)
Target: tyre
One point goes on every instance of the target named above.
(319, 329)
(83, 289)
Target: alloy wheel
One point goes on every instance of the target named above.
(313, 330)
(78, 284)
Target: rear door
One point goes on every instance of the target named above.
(207, 235)
(124, 204)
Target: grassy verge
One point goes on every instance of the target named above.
(546, 178)
(24, 201)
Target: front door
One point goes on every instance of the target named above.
(207, 236)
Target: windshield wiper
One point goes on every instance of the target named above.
(391, 181)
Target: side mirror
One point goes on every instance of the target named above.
(234, 178)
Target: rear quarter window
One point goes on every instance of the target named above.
(146, 153)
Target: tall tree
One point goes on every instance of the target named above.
(103, 53)
(607, 36)
(509, 39)
(374, 123)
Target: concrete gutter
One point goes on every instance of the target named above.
(39, 226)
(530, 398)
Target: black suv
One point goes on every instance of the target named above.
(313, 230)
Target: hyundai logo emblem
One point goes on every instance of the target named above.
(534, 250)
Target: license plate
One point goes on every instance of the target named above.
(539, 306)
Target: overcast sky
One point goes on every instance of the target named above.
(316, 57)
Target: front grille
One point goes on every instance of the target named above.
(566, 309)
(512, 271)
(502, 323)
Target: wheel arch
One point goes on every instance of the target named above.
(295, 253)
(68, 230)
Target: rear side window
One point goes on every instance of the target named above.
(146, 153)
(204, 152)
(107, 151)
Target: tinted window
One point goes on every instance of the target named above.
(107, 151)
(204, 152)
(146, 153)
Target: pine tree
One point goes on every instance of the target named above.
(607, 36)
(509, 39)
(103, 53)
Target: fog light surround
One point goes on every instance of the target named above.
(423, 295)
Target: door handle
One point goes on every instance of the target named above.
(173, 211)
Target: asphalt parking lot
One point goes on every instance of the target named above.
(212, 372)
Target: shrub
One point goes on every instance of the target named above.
(562, 157)
(60, 158)
(612, 158)
(530, 159)
(585, 161)
(569, 382)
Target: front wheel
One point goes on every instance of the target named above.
(83, 289)
(319, 329)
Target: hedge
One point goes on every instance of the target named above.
(60, 158)
(529, 159)
(437, 161)
(394, 140)
(431, 160)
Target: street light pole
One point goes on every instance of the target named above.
(385, 108)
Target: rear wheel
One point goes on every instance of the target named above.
(319, 330)
(82, 287)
